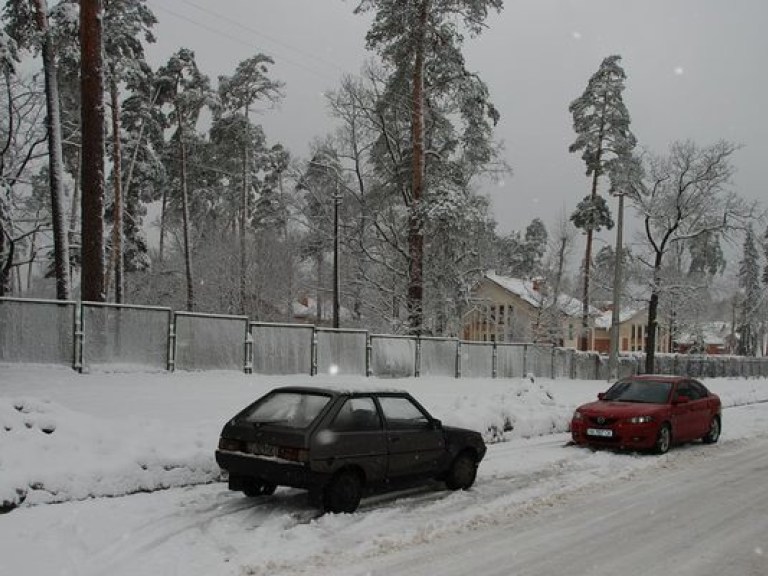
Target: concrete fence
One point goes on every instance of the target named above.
(88, 335)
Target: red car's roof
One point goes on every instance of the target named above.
(658, 377)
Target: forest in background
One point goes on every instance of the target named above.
(381, 226)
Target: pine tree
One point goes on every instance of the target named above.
(187, 90)
(238, 94)
(421, 42)
(752, 303)
(601, 122)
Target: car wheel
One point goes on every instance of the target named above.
(343, 493)
(714, 432)
(462, 473)
(255, 488)
(663, 439)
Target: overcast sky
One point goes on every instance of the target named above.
(696, 70)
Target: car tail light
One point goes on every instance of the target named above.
(293, 454)
(230, 445)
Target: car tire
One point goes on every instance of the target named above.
(254, 488)
(462, 473)
(663, 440)
(713, 435)
(343, 493)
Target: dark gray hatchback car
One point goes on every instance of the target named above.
(341, 445)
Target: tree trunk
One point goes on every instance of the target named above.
(92, 125)
(163, 206)
(415, 221)
(185, 217)
(117, 259)
(653, 313)
(244, 212)
(583, 345)
(55, 154)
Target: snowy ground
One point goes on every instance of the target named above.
(73, 438)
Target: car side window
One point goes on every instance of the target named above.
(697, 391)
(682, 390)
(357, 414)
(402, 413)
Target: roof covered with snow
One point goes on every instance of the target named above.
(526, 290)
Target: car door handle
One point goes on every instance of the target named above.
(394, 439)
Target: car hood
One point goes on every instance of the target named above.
(620, 409)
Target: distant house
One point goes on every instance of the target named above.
(633, 331)
(711, 338)
(505, 309)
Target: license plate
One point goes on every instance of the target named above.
(261, 449)
(599, 432)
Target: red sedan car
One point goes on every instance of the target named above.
(649, 412)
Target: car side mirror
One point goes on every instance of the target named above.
(436, 424)
(682, 400)
(600, 395)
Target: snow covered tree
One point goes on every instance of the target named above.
(184, 88)
(238, 94)
(753, 302)
(521, 257)
(126, 24)
(421, 43)
(28, 23)
(683, 196)
(601, 122)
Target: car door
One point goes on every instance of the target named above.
(700, 409)
(683, 413)
(355, 436)
(414, 442)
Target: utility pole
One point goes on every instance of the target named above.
(336, 272)
(613, 358)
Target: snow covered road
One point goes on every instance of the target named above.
(539, 506)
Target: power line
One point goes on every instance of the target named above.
(219, 32)
(265, 36)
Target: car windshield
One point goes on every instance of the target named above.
(646, 391)
(290, 409)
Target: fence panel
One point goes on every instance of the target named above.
(210, 341)
(538, 360)
(476, 359)
(438, 356)
(125, 336)
(38, 331)
(341, 351)
(393, 356)
(282, 348)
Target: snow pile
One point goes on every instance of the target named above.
(52, 454)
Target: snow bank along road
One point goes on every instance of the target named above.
(539, 506)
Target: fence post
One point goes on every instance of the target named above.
(77, 348)
(172, 343)
(313, 353)
(368, 353)
(552, 363)
(525, 360)
(458, 359)
(248, 366)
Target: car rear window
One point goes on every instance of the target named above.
(647, 391)
(289, 409)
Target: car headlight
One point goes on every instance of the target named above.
(578, 415)
(640, 419)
